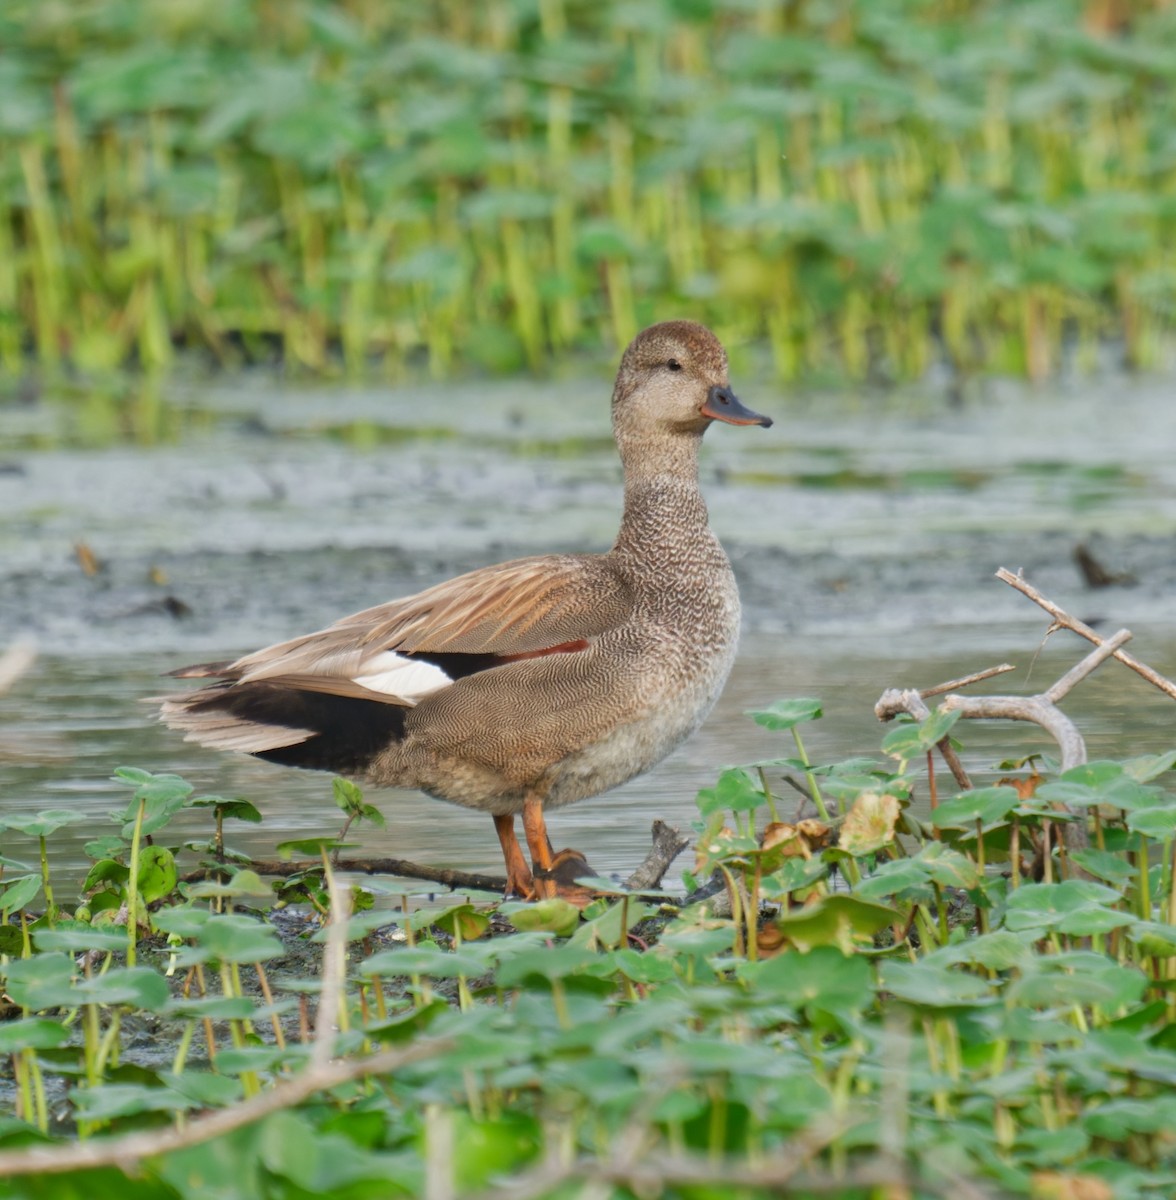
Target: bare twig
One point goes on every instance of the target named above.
(1065, 621)
(953, 685)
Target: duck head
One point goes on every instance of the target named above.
(673, 379)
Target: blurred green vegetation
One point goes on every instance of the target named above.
(376, 184)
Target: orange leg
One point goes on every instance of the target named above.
(518, 874)
(555, 874)
(536, 830)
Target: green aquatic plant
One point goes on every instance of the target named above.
(896, 999)
(868, 187)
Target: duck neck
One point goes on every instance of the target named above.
(663, 502)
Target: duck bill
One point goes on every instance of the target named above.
(723, 405)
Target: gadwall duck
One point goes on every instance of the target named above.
(524, 686)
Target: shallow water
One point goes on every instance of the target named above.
(864, 530)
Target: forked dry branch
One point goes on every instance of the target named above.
(1041, 709)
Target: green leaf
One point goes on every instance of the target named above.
(1149, 766)
(36, 1033)
(75, 937)
(157, 873)
(606, 929)
(18, 893)
(824, 978)
(990, 806)
(1158, 822)
(929, 984)
(544, 964)
(139, 986)
(226, 937)
(552, 916)
(1078, 904)
(348, 795)
(230, 809)
(110, 1100)
(463, 919)
(429, 959)
(44, 981)
(44, 823)
(315, 847)
(1111, 868)
(836, 920)
(737, 791)
(909, 740)
(786, 714)
(243, 883)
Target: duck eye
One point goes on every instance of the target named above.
(674, 365)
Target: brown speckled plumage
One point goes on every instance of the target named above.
(533, 683)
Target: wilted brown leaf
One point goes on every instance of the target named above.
(815, 832)
(870, 823)
(781, 835)
(1025, 787)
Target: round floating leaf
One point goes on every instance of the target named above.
(989, 806)
(786, 714)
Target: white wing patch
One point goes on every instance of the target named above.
(408, 679)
